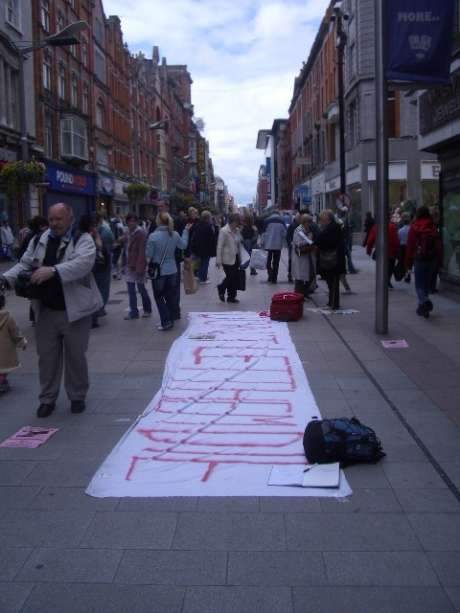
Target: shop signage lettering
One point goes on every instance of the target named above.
(76, 181)
(420, 42)
(64, 180)
(437, 108)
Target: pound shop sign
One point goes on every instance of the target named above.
(420, 40)
(64, 180)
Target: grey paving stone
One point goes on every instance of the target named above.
(350, 532)
(288, 504)
(96, 598)
(11, 561)
(230, 532)
(413, 475)
(235, 504)
(363, 501)
(14, 472)
(70, 499)
(133, 530)
(454, 595)
(447, 566)
(68, 473)
(43, 528)
(238, 600)
(276, 568)
(437, 531)
(173, 568)
(71, 566)
(369, 476)
(427, 500)
(13, 596)
(17, 496)
(355, 383)
(173, 504)
(372, 599)
(409, 568)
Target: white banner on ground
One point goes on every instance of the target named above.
(234, 403)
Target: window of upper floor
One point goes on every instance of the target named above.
(74, 138)
(61, 81)
(48, 135)
(74, 90)
(46, 71)
(13, 13)
(60, 21)
(45, 15)
(100, 114)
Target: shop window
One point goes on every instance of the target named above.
(74, 139)
(46, 71)
(48, 135)
(13, 13)
(61, 82)
(45, 15)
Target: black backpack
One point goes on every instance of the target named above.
(342, 440)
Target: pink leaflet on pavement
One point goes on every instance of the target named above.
(399, 344)
(29, 437)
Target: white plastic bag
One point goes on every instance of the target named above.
(258, 259)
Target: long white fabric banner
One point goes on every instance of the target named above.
(234, 403)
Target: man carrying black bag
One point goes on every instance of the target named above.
(67, 296)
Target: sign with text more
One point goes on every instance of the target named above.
(420, 36)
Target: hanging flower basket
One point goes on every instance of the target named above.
(136, 191)
(17, 175)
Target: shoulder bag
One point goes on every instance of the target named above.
(154, 269)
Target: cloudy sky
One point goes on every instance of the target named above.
(243, 56)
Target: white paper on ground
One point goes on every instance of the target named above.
(317, 475)
(229, 409)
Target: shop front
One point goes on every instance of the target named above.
(439, 120)
(120, 202)
(74, 187)
(6, 207)
(105, 190)
(397, 185)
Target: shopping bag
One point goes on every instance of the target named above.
(258, 259)
(188, 278)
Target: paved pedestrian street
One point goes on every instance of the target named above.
(392, 547)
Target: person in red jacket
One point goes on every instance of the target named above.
(424, 251)
(393, 247)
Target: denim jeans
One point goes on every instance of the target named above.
(423, 275)
(203, 269)
(164, 292)
(146, 302)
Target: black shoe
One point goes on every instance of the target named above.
(95, 324)
(45, 410)
(254, 272)
(233, 300)
(422, 311)
(221, 295)
(428, 306)
(77, 406)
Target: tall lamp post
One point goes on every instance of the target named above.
(63, 38)
(339, 17)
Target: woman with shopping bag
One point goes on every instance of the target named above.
(162, 268)
(229, 257)
(303, 257)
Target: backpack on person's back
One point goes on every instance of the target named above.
(426, 245)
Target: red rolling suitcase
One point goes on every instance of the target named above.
(286, 306)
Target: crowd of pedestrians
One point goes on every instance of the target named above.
(67, 267)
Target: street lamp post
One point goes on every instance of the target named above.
(65, 37)
(382, 173)
(339, 17)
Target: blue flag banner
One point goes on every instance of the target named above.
(420, 34)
